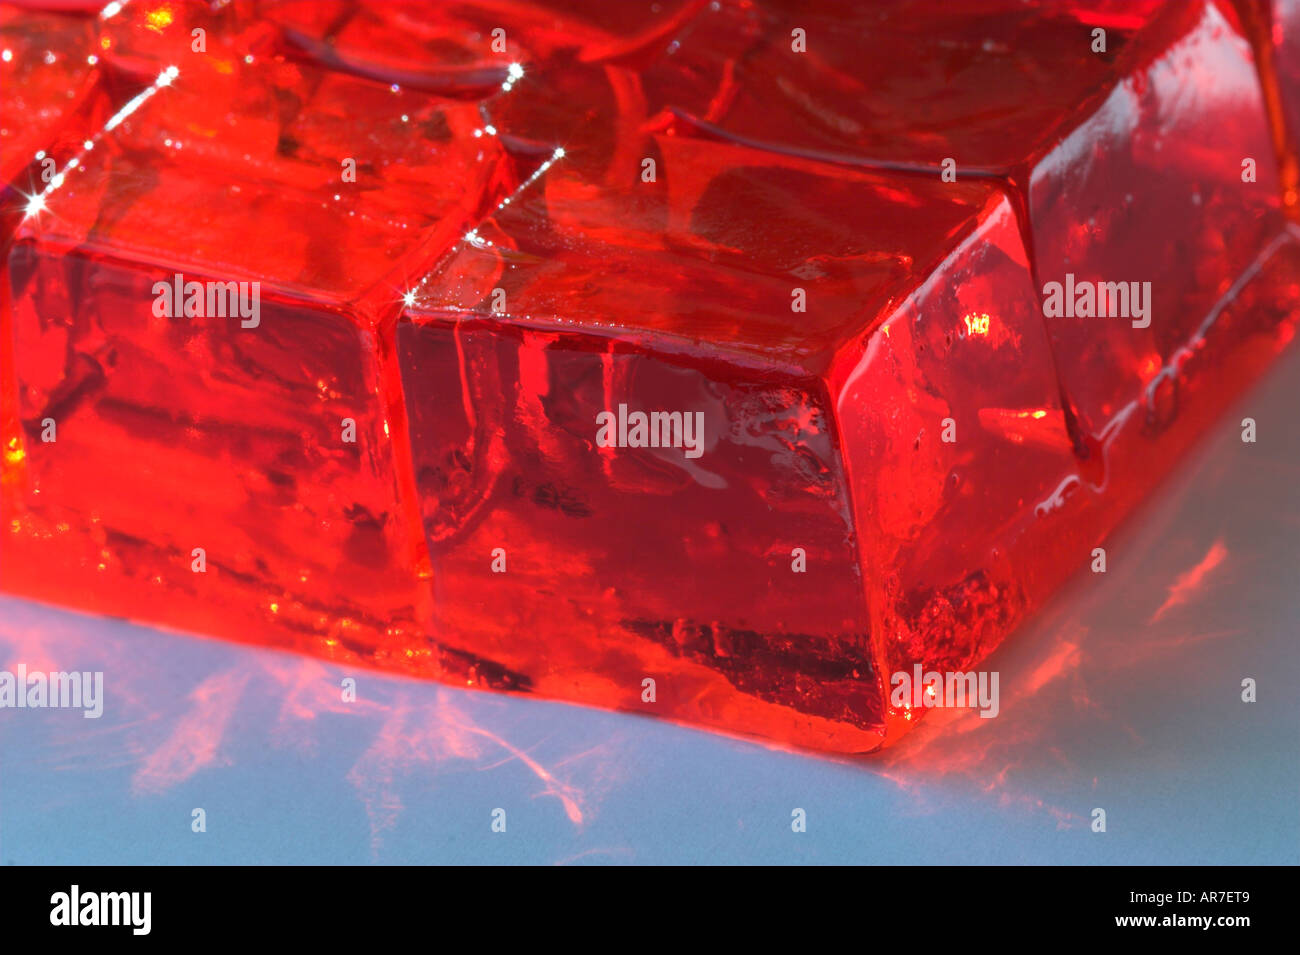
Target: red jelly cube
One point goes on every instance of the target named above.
(1131, 159)
(726, 569)
(200, 316)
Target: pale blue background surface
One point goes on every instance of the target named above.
(1125, 694)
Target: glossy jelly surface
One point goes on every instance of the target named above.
(698, 359)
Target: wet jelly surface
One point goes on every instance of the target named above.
(690, 358)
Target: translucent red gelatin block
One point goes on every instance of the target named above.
(265, 439)
(724, 567)
(1122, 126)
(649, 359)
